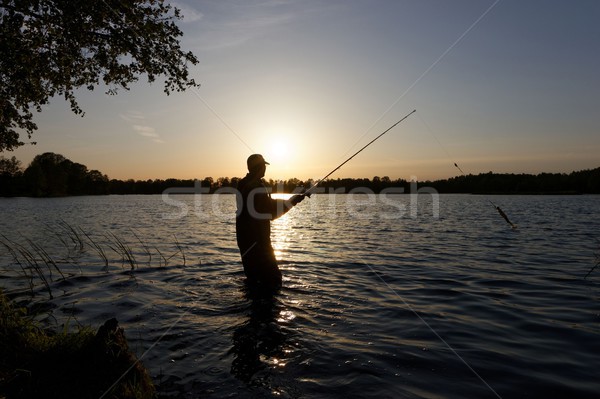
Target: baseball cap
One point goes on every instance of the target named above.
(255, 160)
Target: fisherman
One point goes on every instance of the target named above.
(255, 211)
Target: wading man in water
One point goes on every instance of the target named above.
(255, 211)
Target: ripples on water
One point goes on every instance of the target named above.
(377, 301)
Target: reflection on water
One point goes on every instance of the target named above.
(512, 303)
(259, 342)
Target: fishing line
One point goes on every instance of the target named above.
(211, 109)
(432, 330)
(496, 207)
(193, 90)
(109, 390)
(307, 193)
(437, 61)
(597, 254)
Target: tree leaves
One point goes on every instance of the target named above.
(53, 47)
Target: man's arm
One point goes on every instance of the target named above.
(275, 207)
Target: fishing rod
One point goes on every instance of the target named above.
(504, 216)
(308, 192)
(496, 207)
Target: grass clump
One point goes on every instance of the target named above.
(36, 363)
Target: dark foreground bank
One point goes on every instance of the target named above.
(36, 363)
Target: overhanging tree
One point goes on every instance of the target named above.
(10, 166)
(53, 47)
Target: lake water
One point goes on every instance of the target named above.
(391, 296)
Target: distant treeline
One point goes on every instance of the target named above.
(52, 175)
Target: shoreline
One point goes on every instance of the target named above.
(39, 362)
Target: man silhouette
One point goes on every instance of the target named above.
(255, 211)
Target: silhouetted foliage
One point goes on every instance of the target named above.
(10, 176)
(580, 182)
(10, 166)
(51, 175)
(51, 48)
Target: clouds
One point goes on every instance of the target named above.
(225, 25)
(137, 121)
(518, 93)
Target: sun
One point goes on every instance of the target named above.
(279, 150)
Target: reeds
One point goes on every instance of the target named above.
(39, 265)
(28, 262)
(123, 249)
(72, 234)
(98, 248)
(145, 247)
(180, 249)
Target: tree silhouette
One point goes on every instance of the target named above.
(10, 176)
(53, 47)
(47, 175)
(52, 174)
(10, 166)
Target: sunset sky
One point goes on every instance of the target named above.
(502, 86)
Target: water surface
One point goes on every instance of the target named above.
(384, 296)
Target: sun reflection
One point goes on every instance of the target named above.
(281, 231)
(286, 316)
